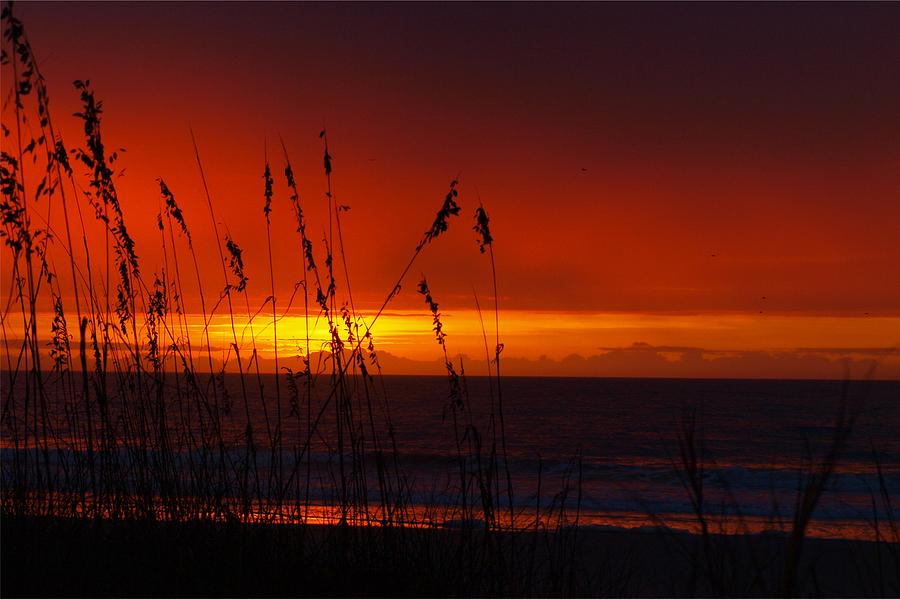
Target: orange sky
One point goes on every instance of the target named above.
(718, 176)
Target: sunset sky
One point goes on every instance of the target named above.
(682, 183)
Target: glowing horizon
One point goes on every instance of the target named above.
(563, 344)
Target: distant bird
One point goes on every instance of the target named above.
(764, 297)
(713, 255)
(583, 170)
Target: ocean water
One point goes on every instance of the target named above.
(620, 437)
(607, 451)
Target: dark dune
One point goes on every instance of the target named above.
(57, 557)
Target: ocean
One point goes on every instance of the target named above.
(602, 452)
(760, 440)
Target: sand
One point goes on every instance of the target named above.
(56, 557)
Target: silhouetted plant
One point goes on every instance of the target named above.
(236, 262)
(172, 209)
(442, 219)
(482, 228)
(59, 337)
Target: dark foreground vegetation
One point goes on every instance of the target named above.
(130, 467)
(64, 557)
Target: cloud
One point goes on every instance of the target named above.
(640, 360)
(645, 360)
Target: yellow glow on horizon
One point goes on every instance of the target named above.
(531, 334)
(545, 335)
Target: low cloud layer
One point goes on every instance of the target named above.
(636, 360)
(643, 360)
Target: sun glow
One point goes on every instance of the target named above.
(632, 344)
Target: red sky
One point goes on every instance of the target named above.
(684, 165)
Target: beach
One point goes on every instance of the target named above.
(64, 557)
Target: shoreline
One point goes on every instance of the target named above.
(44, 556)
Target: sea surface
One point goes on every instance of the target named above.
(757, 440)
(609, 452)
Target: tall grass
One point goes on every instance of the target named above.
(118, 408)
(723, 556)
(123, 411)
